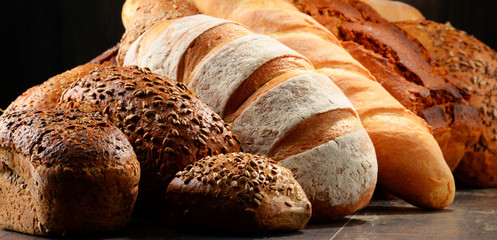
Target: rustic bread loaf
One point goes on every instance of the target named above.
(168, 126)
(46, 95)
(140, 15)
(425, 89)
(237, 192)
(395, 11)
(277, 104)
(107, 58)
(409, 158)
(64, 172)
(473, 67)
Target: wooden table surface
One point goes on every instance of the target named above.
(473, 215)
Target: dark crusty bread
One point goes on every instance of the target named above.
(168, 126)
(64, 172)
(140, 15)
(46, 95)
(237, 192)
(473, 68)
(404, 69)
(107, 58)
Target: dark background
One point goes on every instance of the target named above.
(44, 38)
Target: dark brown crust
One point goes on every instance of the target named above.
(238, 192)
(402, 66)
(160, 10)
(107, 58)
(168, 126)
(473, 68)
(46, 95)
(65, 172)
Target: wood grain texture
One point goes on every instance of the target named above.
(473, 215)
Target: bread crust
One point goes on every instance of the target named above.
(473, 68)
(65, 172)
(168, 126)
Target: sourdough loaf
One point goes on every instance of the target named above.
(409, 158)
(237, 192)
(277, 104)
(424, 87)
(46, 95)
(140, 15)
(168, 126)
(64, 172)
(473, 68)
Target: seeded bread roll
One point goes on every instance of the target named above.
(140, 15)
(64, 172)
(46, 95)
(238, 192)
(277, 104)
(410, 162)
(473, 66)
(168, 126)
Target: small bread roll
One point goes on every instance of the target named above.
(238, 192)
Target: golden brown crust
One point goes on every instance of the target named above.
(238, 192)
(395, 11)
(65, 172)
(168, 126)
(147, 14)
(473, 68)
(402, 66)
(46, 95)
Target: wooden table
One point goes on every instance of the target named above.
(473, 215)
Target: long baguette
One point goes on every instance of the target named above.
(277, 105)
(410, 162)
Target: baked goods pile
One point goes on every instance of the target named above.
(264, 114)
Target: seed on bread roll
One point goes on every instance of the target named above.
(237, 192)
(168, 126)
(46, 95)
(65, 172)
(473, 68)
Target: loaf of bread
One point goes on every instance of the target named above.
(168, 126)
(140, 15)
(473, 68)
(64, 172)
(277, 104)
(395, 11)
(237, 192)
(410, 162)
(46, 95)
(424, 86)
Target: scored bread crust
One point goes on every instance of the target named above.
(168, 126)
(472, 65)
(246, 193)
(65, 172)
(378, 110)
(279, 71)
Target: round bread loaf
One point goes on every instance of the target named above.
(238, 192)
(168, 126)
(64, 172)
(473, 68)
(46, 95)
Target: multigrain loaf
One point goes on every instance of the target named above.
(65, 172)
(168, 126)
(140, 15)
(410, 162)
(420, 84)
(473, 68)
(237, 192)
(46, 95)
(277, 104)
